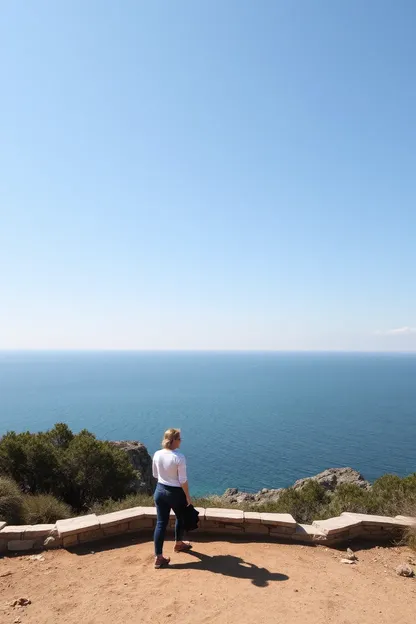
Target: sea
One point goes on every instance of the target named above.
(248, 419)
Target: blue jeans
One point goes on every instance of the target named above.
(166, 498)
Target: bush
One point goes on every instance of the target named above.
(45, 509)
(76, 468)
(11, 502)
(304, 504)
(392, 495)
(349, 497)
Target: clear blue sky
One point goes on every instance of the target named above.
(208, 175)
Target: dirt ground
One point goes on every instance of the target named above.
(221, 582)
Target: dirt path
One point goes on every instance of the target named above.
(221, 582)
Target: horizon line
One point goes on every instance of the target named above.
(118, 350)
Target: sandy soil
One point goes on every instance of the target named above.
(220, 582)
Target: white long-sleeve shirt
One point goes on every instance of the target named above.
(169, 467)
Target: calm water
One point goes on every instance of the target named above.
(249, 420)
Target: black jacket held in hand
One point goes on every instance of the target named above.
(190, 518)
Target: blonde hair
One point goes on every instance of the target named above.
(169, 436)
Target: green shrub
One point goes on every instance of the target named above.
(304, 504)
(11, 502)
(349, 497)
(45, 509)
(78, 469)
(392, 495)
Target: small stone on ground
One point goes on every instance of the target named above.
(351, 555)
(405, 570)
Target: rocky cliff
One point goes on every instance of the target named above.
(141, 461)
(329, 479)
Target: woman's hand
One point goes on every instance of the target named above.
(188, 500)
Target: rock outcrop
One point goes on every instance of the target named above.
(233, 495)
(333, 477)
(141, 461)
(329, 479)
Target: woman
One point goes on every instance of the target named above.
(172, 492)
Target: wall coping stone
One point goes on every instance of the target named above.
(410, 519)
(14, 531)
(252, 517)
(278, 518)
(123, 515)
(81, 524)
(333, 526)
(2, 525)
(38, 530)
(370, 519)
(224, 515)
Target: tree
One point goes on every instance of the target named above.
(95, 471)
(77, 468)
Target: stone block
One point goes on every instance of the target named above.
(39, 531)
(371, 536)
(90, 536)
(124, 515)
(74, 526)
(256, 529)
(145, 524)
(71, 540)
(222, 527)
(338, 526)
(230, 527)
(12, 532)
(2, 525)
(308, 533)
(380, 528)
(368, 519)
(3, 545)
(116, 529)
(252, 517)
(216, 514)
(282, 531)
(273, 519)
(210, 525)
(20, 544)
(355, 532)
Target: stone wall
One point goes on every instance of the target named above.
(213, 521)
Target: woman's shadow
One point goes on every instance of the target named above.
(230, 566)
